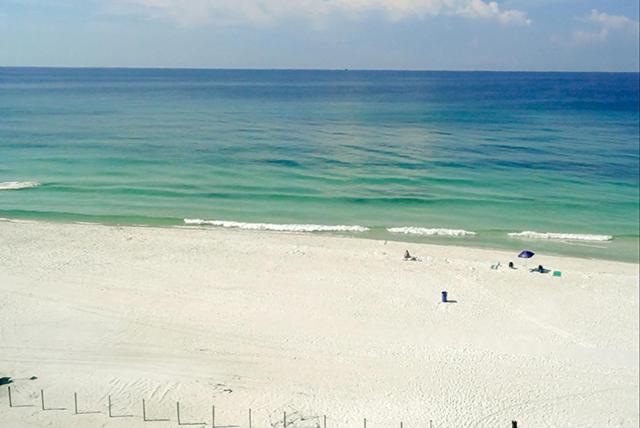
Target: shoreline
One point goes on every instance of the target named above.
(311, 325)
(465, 241)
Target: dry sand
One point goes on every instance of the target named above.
(310, 325)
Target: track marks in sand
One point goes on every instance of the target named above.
(508, 306)
(535, 406)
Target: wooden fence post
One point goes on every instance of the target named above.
(111, 415)
(213, 416)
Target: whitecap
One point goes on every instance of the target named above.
(275, 227)
(528, 234)
(16, 185)
(409, 230)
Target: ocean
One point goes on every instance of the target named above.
(543, 161)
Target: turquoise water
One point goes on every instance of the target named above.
(489, 153)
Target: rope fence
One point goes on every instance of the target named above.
(284, 422)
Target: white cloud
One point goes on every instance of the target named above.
(491, 10)
(193, 12)
(606, 23)
(611, 21)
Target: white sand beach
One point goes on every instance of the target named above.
(309, 325)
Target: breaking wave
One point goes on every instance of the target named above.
(275, 227)
(528, 234)
(15, 185)
(430, 231)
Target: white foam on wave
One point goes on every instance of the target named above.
(15, 185)
(409, 230)
(275, 227)
(16, 220)
(528, 234)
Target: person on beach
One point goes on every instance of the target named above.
(539, 269)
(409, 257)
(511, 266)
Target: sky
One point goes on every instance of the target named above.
(536, 35)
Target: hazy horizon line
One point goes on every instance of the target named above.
(410, 70)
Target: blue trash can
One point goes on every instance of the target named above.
(444, 297)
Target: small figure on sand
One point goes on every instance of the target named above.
(540, 269)
(409, 257)
(511, 266)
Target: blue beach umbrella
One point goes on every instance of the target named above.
(526, 254)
